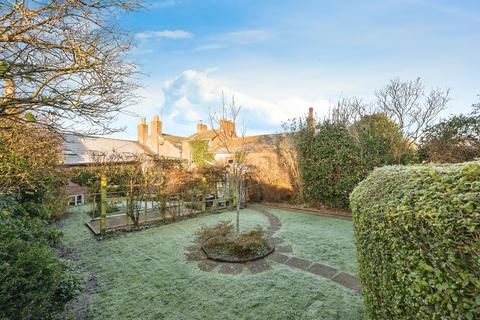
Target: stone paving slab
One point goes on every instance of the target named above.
(258, 266)
(285, 249)
(231, 268)
(323, 270)
(278, 257)
(208, 265)
(299, 263)
(195, 256)
(276, 240)
(348, 281)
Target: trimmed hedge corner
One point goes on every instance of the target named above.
(417, 232)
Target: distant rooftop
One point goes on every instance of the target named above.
(80, 150)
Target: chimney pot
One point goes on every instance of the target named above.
(156, 126)
(310, 119)
(201, 127)
(142, 131)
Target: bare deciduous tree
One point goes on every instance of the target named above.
(63, 63)
(348, 110)
(407, 103)
(223, 123)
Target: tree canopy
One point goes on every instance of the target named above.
(63, 63)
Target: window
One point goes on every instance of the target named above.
(75, 200)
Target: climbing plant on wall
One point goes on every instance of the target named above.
(200, 154)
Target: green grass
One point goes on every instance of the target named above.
(144, 275)
(321, 239)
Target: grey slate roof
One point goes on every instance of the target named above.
(80, 150)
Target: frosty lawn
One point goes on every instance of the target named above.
(144, 275)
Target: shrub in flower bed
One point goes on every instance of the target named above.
(417, 232)
(221, 242)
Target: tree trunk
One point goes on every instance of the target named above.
(237, 195)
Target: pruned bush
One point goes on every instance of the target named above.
(417, 232)
(335, 155)
(222, 240)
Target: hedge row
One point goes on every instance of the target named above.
(417, 234)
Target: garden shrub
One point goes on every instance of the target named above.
(417, 231)
(222, 240)
(453, 140)
(336, 155)
(35, 283)
(330, 166)
(29, 158)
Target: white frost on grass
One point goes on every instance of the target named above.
(144, 275)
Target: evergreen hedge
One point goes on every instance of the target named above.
(417, 232)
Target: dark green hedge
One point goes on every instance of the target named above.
(417, 234)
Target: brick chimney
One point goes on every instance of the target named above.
(201, 127)
(156, 126)
(311, 119)
(142, 131)
(228, 127)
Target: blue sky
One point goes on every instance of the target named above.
(280, 57)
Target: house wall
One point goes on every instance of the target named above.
(268, 179)
(155, 140)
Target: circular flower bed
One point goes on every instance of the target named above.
(220, 242)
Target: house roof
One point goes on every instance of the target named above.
(203, 135)
(84, 149)
(258, 143)
(173, 138)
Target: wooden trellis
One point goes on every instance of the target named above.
(110, 207)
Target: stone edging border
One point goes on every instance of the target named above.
(221, 259)
(311, 211)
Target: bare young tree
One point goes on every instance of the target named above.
(407, 103)
(348, 110)
(63, 63)
(224, 124)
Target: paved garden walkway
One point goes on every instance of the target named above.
(283, 255)
(347, 280)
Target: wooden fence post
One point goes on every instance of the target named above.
(103, 210)
(204, 201)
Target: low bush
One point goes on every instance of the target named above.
(417, 232)
(35, 283)
(221, 240)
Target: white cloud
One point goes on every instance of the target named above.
(189, 97)
(225, 40)
(168, 34)
(211, 46)
(243, 36)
